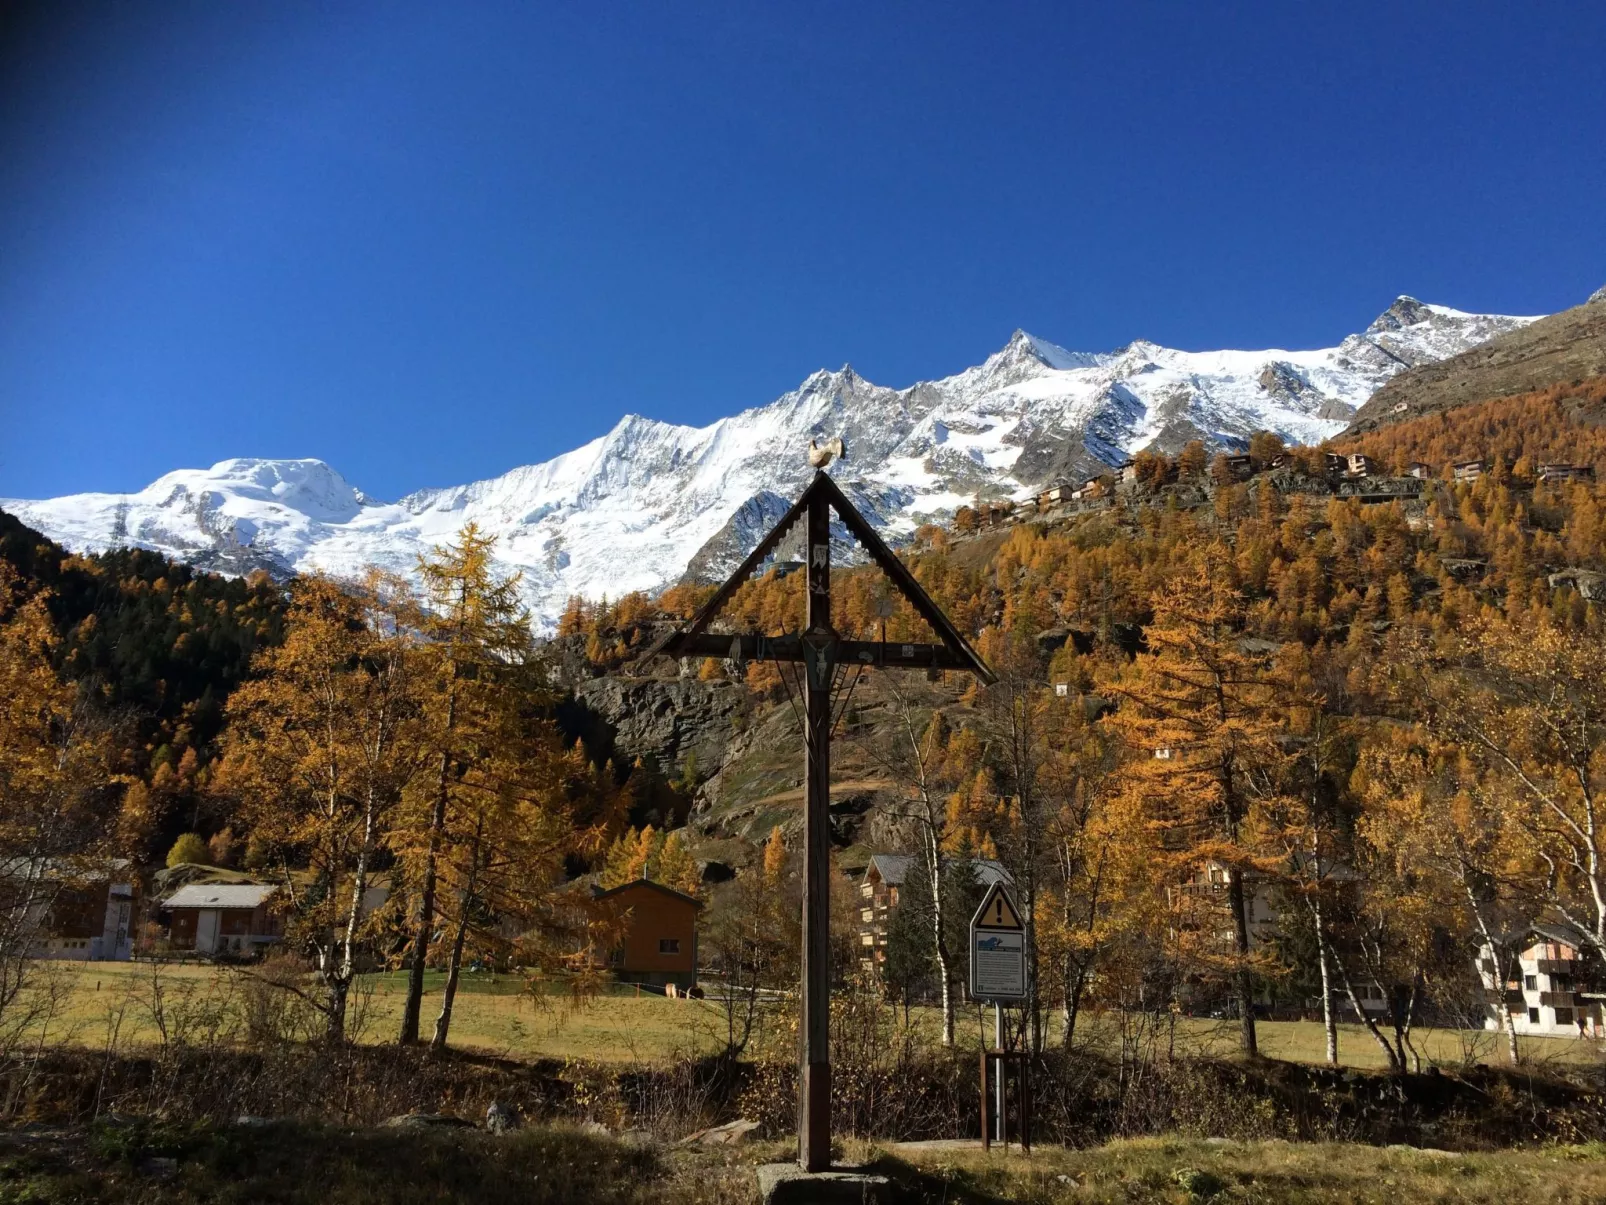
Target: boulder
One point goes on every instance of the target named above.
(427, 1121)
(732, 1133)
(500, 1118)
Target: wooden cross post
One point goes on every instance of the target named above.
(821, 651)
(819, 637)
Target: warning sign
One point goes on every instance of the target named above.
(997, 949)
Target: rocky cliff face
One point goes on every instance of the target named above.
(664, 721)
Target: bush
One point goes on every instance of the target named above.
(191, 848)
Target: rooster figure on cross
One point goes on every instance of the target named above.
(821, 455)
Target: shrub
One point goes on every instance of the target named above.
(192, 848)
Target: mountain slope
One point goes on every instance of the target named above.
(635, 508)
(1568, 346)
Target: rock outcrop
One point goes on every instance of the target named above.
(664, 721)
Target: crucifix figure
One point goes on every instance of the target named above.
(821, 653)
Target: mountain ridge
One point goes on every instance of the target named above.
(649, 501)
(1569, 345)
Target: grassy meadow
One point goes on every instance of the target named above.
(501, 1016)
(546, 1165)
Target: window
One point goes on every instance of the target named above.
(1533, 1016)
(867, 890)
(669, 945)
(1531, 982)
(1564, 1016)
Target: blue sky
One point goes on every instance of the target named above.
(428, 242)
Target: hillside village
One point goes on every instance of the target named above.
(695, 831)
(1289, 758)
(789, 604)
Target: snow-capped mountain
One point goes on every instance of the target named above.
(636, 508)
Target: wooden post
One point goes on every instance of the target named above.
(1024, 1092)
(814, 1105)
(986, 1100)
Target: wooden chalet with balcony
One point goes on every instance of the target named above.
(1551, 984)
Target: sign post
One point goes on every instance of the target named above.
(998, 977)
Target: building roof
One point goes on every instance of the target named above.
(221, 895)
(989, 872)
(1555, 931)
(600, 894)
(54, 870)
(894, 868)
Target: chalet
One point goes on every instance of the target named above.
(92, 921)
(1200, 905)
(1239, 468)
(71, 912)
(1566, 472)
(1360, 465)
(658, 933)
(1125, 472)
(881, 887)
(63, 910)
(223, 918)
(1198, 900)
(1334, 463)
(1551, 984)
(1419, 470)
(1058, 492)
(996, 514)
(1470, 470)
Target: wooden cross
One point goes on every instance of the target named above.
(821, 651)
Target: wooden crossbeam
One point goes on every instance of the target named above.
(890, 654)
(745, 570)
(685, 642)
(888, 562)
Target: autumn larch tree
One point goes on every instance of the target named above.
(474, 628)
(1199, 717)
(1430, 809)
(319, 747)
(60, 790)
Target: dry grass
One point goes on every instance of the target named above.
(500, 1016)
(1166, 1170)
(302, 1165)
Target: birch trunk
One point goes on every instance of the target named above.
(1329, 1021)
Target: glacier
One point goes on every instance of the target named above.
(649, 502)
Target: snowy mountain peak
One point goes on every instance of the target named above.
(649, 501)
(1406, 311)
(1050, 355)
